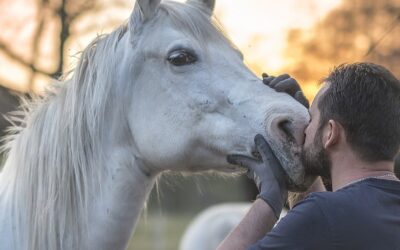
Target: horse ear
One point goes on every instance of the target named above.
(209, 4)
(143, 11)
(147, 8)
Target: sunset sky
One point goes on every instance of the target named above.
(257, 27)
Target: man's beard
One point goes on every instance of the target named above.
(315, 159)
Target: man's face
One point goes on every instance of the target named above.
(314, 156)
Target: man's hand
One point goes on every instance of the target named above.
(287, 84)
(267, 173)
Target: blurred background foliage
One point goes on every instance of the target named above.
(41, 39)
(357, 30)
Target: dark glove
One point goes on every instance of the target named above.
(287, 84)
(267, 173)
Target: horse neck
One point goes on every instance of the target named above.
(125, 189)
(105, 201)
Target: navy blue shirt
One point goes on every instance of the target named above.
(364, 215)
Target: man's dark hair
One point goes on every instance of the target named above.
(365, 99)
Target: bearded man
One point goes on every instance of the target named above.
(352, 140)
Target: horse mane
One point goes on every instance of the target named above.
(57, 151)
(54, 156)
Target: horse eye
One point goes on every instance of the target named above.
(181, 58)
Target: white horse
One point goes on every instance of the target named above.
(212, 226)
(166, 91)
(209, 228)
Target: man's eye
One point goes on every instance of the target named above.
(181, 58)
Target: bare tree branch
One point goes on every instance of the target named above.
(87, 7)
(94, 8)
(112, 22)
(63, 36)
(66, 11)
(36, 41)
(11, 54)
(393, 25)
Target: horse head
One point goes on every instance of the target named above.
(193, 100)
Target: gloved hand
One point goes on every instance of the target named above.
(267, 173)
(287, 84)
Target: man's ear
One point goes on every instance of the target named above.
(332, 133)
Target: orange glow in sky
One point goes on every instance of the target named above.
(259, 27)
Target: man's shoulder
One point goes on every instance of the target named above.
(322, 198)
(319, 200)
(304, 227)
(356, 199)
(333, 220)
(369, 187)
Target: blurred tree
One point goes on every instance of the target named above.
(357, 30)
(34, 40)
(38, 32)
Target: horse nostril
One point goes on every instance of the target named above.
(286, 127)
